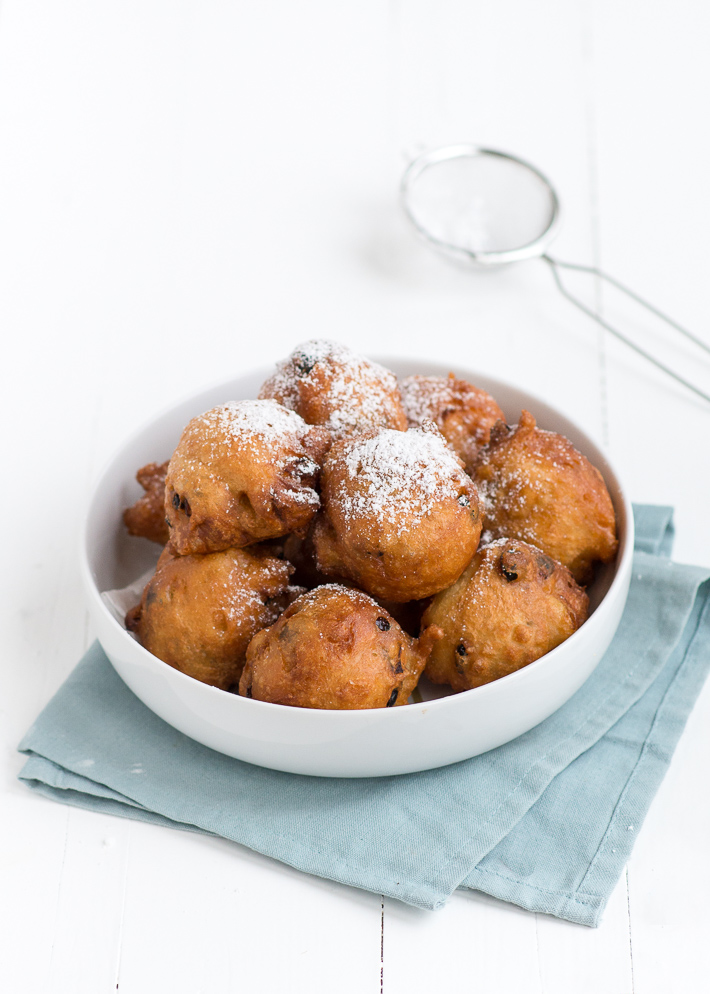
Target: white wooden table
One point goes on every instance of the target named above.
(189, 189)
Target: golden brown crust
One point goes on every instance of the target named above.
(400, 516)
(146, 518)
(511, 606)
(335, 648)
(329, 385)
(463, 413)
(537, 487)
(199, 613)
(242, 473)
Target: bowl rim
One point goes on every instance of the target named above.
(597, 618)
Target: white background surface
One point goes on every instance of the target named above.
(189, 189)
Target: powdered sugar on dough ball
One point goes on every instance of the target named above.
(536, 487)
(400, 516)
(261, 427)
(199, 613)
(243, 472)
(329, 385)
(396, 476)
(462, 412)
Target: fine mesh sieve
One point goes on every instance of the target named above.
(488, 208)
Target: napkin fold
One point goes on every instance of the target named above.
(547, 821)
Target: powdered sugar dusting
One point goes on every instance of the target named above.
(240, 596)
(400, 476)
(308, 496)
(299, 365)
(358, 597)
(253, 423)
(263, 429)
(487, 542)
(520, 498)
(519, 476)
(424, 396)
(464, 413)
(360, 394)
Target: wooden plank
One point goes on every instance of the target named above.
(86, 943)
(203, 915)
(669, 874)
(573, 957)
(652, 193)
(474, 943)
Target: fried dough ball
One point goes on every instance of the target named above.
(146, 518)
(535, 486)
(329, 385)
(337, 649)
(463, 414)
(400, 516)
(511, 606)
(199, 613)
(242, 472)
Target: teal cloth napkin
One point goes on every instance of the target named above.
(546, 822)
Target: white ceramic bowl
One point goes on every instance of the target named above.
(376, 742)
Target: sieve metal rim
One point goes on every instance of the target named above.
(531, 250)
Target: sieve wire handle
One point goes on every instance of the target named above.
(555, 265)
